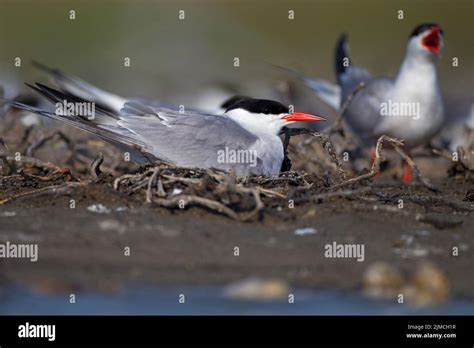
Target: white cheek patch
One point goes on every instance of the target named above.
(258, 123)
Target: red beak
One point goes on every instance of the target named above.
(432, 41)
(302, 117)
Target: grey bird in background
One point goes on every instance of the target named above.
(462, 132)
(245, 138)
(408, 107)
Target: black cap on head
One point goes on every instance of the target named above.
(423, 27)
(229, 102)
(258, 106)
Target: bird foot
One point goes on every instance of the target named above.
(407, 176)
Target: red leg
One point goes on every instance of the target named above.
(407, 176)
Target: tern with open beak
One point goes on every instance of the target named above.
(408, 107)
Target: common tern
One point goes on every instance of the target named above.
(408, 107)
(244, 138)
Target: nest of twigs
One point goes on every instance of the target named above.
(239, 198)
(180, 188)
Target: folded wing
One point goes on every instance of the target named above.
(187, 139)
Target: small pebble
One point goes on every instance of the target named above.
(429, 286)
(305, 231)
(258, 290)
(382, 280)
(112, 225)
(98, 208)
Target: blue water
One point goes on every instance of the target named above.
(136, 300)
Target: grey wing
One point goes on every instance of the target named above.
(327, 91)
(73, 85)
(188, 139)
(363, 114)
(348, 75)
(351, 78)
(160, 104)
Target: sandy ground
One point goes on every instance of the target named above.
(85, 250)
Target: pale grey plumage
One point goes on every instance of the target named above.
(188, 139)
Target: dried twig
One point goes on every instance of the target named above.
(375, 165)
(270, 193)
(181, 201)
(37, 163)
(30, 151)
(258, 204)
(181, 180)
(379, 158)
(155, 193)
(24, 139)
(326, 143)
(337, 125)
(442, 153)
(414, 167)
(151, 183)
(187, 200)
(94, 169)
(463, 159)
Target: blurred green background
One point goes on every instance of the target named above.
(172, 58)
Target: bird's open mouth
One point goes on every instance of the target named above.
(432, 41)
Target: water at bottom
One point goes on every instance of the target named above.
(145, 300)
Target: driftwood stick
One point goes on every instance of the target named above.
(189, 200)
